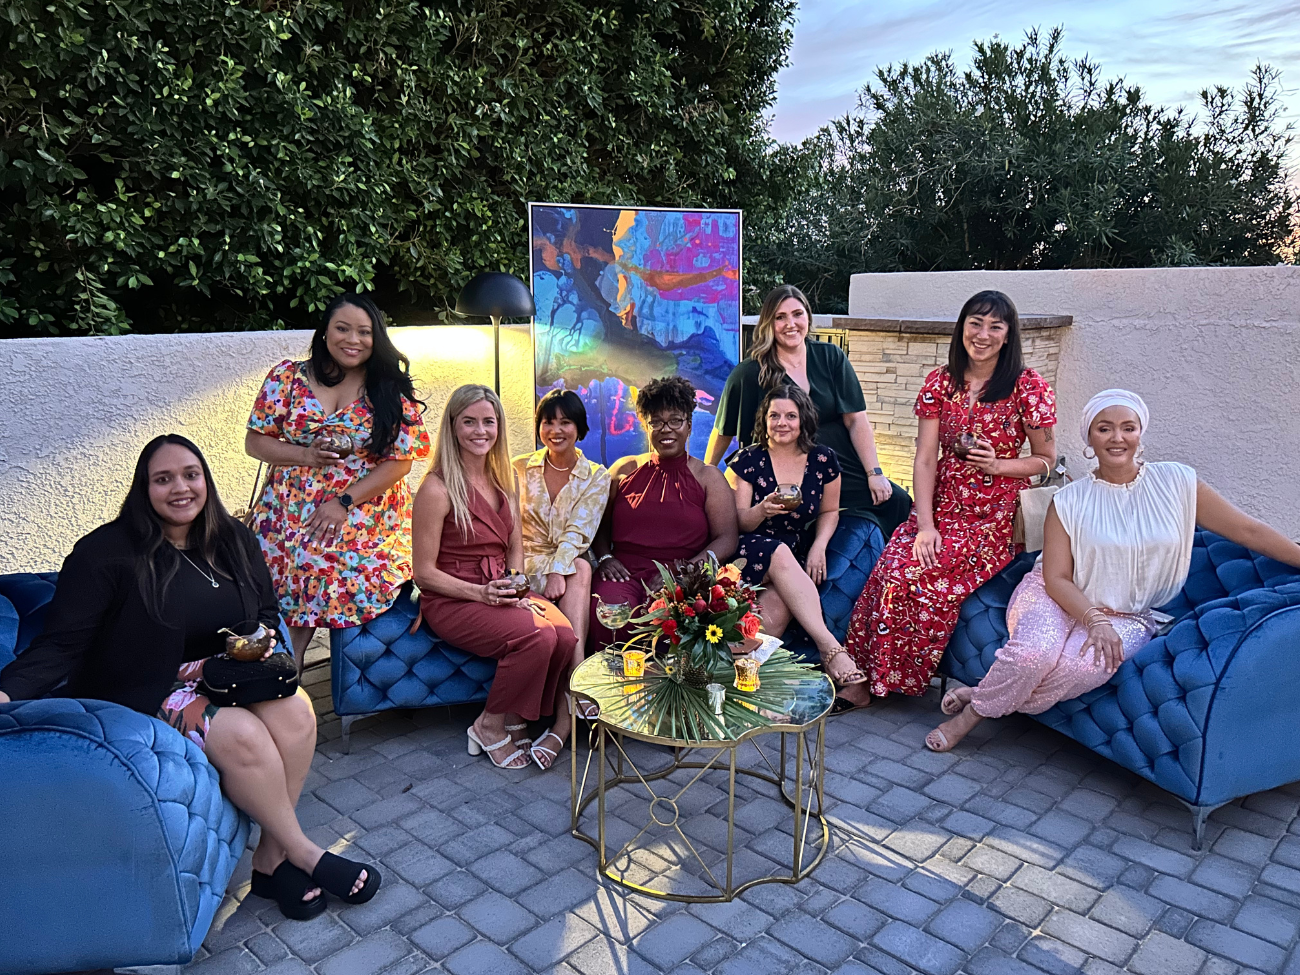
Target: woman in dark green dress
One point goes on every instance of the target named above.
(782, 354)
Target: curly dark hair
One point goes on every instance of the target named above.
(807, 416)
(668, 393)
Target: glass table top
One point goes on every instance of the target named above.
(654, 707)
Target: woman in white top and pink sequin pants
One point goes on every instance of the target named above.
(1116, 544)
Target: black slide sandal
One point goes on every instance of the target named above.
(286, 886)
(337, 875)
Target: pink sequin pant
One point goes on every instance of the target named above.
(1040, 665)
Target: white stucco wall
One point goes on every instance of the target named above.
(75, 412)
(1214, 351)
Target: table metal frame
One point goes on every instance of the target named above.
(807, 803)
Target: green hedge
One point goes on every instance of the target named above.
(210, 164)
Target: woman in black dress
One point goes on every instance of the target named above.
(784, 548)
(136, 612)
(782, 355)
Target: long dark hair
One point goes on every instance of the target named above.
(1011, 360)
(214, 533)
(388, 371)
(807, 416)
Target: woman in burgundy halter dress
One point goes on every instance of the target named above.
(664, 505)
(466, 538)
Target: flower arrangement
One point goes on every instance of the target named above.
(701, 609)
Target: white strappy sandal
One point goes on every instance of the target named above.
(553, 753)
(476, 747)
(520, 727)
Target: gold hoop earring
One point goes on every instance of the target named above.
(1090, 456)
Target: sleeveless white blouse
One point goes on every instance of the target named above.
(1132, 544)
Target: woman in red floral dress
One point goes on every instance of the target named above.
(959, 533)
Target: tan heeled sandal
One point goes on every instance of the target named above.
(855, 676)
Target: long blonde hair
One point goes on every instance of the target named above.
(764, 348)
(446, 454)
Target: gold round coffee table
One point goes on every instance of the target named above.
(793, 764)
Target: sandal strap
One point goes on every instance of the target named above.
(543, 748)
(516, 727)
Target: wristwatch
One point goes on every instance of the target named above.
(345, 499)
(875, 472)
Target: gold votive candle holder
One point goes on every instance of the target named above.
(747, 675)
(633, 663)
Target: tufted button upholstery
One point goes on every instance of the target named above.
(102, 758)
(1187, 711)
(29, 594)
(134, 816)
(381, 665)
(851, 554)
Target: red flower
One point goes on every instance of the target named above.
(749, 624)
(717, 592)
(669, 627)
(718, 606)
(677, 592)
(687, 611)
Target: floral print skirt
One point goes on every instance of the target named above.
(185, 709)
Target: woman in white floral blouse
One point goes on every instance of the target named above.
(562, 496)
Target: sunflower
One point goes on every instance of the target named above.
(714, 633)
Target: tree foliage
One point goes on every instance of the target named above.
(1028, 160)
(218, 164)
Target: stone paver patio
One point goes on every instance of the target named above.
(1022, 852)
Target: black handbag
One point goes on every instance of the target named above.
(228, 682)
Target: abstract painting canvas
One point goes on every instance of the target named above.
(625, 295)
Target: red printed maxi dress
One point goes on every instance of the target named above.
(902, 621)
(353, 578)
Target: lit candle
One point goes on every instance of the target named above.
(746, 674)
(633, 663)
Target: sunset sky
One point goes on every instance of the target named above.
(1172, 49)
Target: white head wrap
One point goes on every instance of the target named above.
(1113, 397)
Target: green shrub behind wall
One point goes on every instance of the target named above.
(208, 164)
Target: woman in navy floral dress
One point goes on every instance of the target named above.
(785, 551)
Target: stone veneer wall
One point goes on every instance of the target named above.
(892, 358)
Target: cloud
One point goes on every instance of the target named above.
(1169, 47)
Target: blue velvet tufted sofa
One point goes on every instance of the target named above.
(1208, 711)
(116, 844)
(381, 665)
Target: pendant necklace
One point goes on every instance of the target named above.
(211, 578)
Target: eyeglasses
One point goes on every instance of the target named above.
(672, 423)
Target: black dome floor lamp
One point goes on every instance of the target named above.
(496, 295)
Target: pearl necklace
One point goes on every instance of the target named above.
(547, 459)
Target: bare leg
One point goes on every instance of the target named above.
(799, 598)
(575, 604)
(301, 636)
(254, 776)
(291, 723)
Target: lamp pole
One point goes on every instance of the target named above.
(496, 354)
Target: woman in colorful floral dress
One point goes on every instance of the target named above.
(335, 517)
(959, 534)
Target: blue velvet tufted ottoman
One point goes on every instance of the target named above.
(116, 843)
(1207, 712)
(381, 665)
